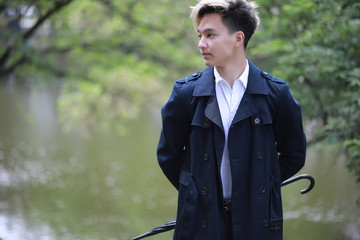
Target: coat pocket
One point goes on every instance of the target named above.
(276, 218)
(188, 195)
(188, 191)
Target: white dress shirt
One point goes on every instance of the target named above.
(229, 100)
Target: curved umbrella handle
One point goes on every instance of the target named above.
(297, 178)
(171, 225)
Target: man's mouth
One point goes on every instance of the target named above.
(204, 54)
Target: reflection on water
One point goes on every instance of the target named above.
(87, 185)
(332, 209)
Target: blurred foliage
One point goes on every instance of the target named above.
(124, 53)
(118, 58)
(316, 46)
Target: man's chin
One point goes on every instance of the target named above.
(209, 64)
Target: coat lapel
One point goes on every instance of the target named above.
(206, 88)
(256, 85)
(245, 110)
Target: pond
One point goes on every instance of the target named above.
(89, 185)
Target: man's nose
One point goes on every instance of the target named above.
(202, 43)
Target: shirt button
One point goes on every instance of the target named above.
(260, 155)
(205, 191)
(262, 190)
(206, 157)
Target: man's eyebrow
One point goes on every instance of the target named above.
(207, 30)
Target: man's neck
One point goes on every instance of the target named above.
(233, 71)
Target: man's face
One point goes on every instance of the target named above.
(216, 44)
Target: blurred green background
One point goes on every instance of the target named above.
(81, 87)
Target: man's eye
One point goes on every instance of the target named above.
(209, 35)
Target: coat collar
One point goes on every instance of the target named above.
(206, 87)
(206, 83)
(256, 82)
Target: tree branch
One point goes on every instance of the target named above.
(28, 34)
(5, 56)
(58, 5)
(316, 139)
(8, 70)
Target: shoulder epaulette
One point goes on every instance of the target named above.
(272, 78)
(192, 77)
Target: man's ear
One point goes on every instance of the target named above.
(240, 38)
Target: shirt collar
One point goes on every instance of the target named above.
(243, 77)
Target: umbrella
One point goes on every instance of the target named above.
(171, 225)
(164, 228)
(297, 178)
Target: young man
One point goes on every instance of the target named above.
(231, 134)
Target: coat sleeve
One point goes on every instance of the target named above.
(289, 133)
(174, 134)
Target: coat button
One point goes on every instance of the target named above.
(191, 193)
(207, 123)
(260, 155)
(265, 223)
(205, 191)
(206, 157)
(204, 223)
(256, 121)
(262, 189)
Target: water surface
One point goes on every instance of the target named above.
(89, 185)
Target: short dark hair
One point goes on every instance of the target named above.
(237, 15)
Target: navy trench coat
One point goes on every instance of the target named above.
(266, 146)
